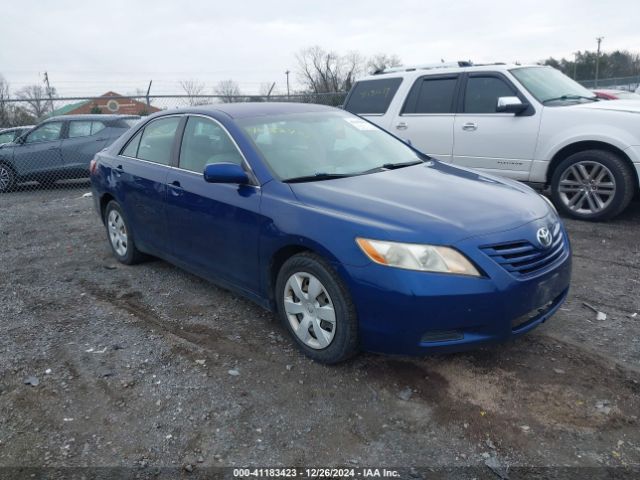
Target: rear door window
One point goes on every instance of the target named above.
(79, 129)
(432, 96)
(372, 96)
(157, 140)
(482, 93)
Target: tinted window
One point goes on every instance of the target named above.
(206, 142)
(79, 129)
(45, 133)
(157, 140)
(372, 96)
(433, 95)
(482, 94)
(131, 149)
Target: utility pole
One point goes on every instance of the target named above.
(287, 74)
(148, 91)
(599, 40)
(46, 81)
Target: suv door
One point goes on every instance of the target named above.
(427, 116)
(84, 138)
(39, 156)
(214, 227)
(502, 143)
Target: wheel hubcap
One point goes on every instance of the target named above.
(5, 178)
(310, 310)
(587, 187)
(117, 233)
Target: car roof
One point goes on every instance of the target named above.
(90, 116)
(255, 109)
(412, 72)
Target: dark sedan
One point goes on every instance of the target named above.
(59, 148)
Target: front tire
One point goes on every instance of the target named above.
(119, 235)
(592, 185)
(316, 307)
(7, 178)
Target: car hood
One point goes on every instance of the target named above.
(432, 202)
(629, 106)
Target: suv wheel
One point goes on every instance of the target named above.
(7, 178)
(592, 185)
(315, 306)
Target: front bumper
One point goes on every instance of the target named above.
(416, 313)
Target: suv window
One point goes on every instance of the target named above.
(79, 129)
(482, 93)
(206, 142)
(372, 96)
(157, 140)
(45, 133)
(432, 95)
(7, 137)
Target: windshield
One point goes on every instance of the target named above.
(550, 85)
(325, 145)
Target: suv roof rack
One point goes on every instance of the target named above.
(427, 66)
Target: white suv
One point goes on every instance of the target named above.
(529, 123)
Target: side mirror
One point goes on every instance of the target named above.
(225, 173)
(511, 105)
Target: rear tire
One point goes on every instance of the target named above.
(120, 235)
(319, 312)
(592, 185)
(8, 178)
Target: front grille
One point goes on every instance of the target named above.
(522, 258)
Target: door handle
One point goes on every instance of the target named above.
(100, 139)
(119, 170)
(469, 127)
(175, 184)
(402, 126)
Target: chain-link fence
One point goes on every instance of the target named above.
(618, 83)
(47, 144)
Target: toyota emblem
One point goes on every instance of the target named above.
(544, 237)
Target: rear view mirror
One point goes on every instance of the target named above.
(225, 173)
(511, 105)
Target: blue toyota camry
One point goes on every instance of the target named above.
(354, 238)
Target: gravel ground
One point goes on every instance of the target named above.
(149, 367)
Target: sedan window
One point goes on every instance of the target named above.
(157, 140)
(205, 142)
(45, 133)
(325, 145)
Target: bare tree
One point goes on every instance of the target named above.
(37, 98)
(5, 108)
(193, 89)
(322, 71)
(228, 90)
(382, 61)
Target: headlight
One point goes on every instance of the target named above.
(550, 203)
(426, 258)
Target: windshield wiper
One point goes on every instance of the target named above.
(570, 97)
(391, 166)
(317, 177)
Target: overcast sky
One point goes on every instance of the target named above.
(89, 47)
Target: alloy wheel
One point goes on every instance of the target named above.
(117, 233)
(587, 187)
(5, 178)
(310, 311)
